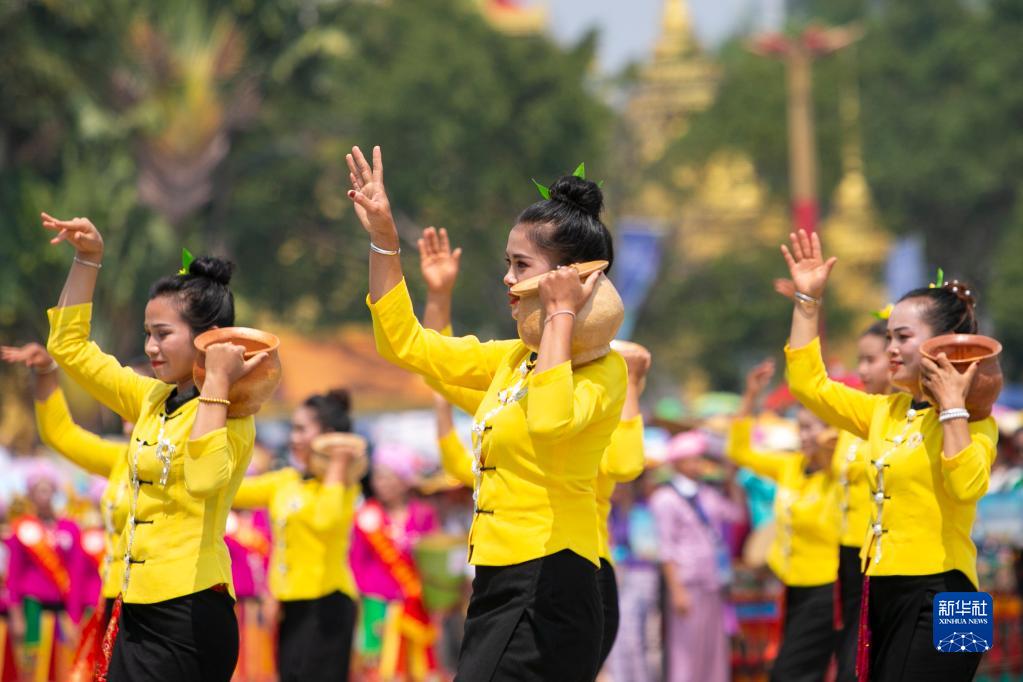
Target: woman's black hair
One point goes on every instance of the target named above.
(205, 299)
(951, 308)
(879, 328)
(568, 224)
(332, 410)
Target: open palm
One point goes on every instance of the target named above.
(368, 194)
(438, 263)
(807, 267)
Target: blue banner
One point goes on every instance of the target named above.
(637, 261)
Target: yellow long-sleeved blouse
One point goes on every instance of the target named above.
(622, 462)
(849, 468)
(540, 453)
(921, 523)
(173, 540)
(312, 529)
(98, 456)
(804, 552)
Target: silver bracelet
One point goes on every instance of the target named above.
(556, 313)
(954, 413)
(806, 298)
(384, 252)
(50, 369)
(88, 263)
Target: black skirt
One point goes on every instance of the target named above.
(538, 620)
(314, 642)
(808, 635)
(193, 638)
(608, 586)
(850, 581)
(902, 628)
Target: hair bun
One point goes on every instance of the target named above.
(583, 194)
(210, 267)
(962, 291)
(341, 399)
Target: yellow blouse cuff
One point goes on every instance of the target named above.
(395, 301)
(552, 375)
(805, 362)
(962, 457)
(68, 315)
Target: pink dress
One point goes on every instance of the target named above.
(26, 578)
(371, 576)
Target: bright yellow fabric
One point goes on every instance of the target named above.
(542, 453)
(804, 552)
(98, 456)
(852, 455)
(312, 529)
(622, 462)
(933, 499)
(455, 458)
(178, 547)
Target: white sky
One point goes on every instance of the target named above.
(628, 28)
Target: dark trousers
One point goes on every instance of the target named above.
(538, 620)
(850, 581)
(192, 638)
(808, 635)
(314, 643)
(607, 583)
(902, 628)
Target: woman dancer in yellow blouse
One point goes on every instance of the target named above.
(312, 512)
(540, 432)
(802, 554)
(621, 462)
(186, 459)
(96, 455)
(929, 466)
(852, 456)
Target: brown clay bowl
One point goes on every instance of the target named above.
(962, 351)
(595, 325)
(249, 393)
(328, 443)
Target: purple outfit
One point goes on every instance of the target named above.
(371, 576)
(690, 519)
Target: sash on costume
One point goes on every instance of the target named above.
(412, 624)
(31, 533)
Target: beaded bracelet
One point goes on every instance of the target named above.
(215, 401)
(954, 413)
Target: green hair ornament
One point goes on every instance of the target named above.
(939, 281)
(186, 261)
(579, 172)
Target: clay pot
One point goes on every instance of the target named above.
(249, 393)
(962, 351)
(595, 325)
(327, 443)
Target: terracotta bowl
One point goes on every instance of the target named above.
(595, 325)
(962, 351)
(249, 393)
(326, 443)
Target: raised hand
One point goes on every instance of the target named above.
(945, 383)
(758, 378)
(368, 194)
(438, 263)
(227, 361)
(807, 267)
(80, 233)
(32, 355)
(560, 289)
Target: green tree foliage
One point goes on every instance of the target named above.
(223, 127)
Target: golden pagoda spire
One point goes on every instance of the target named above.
(676, 31)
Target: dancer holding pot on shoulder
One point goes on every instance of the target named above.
(546, 419)
(186, 459)
(929, 465)
(312, 509)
